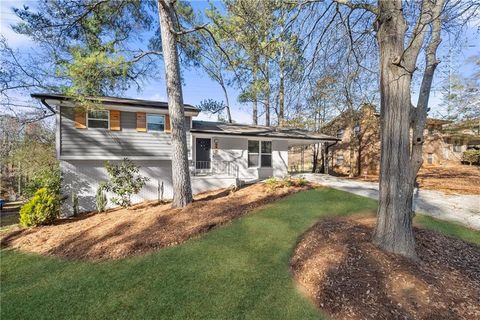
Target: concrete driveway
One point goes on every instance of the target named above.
(464, 209)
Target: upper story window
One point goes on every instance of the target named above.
(356, 130)
(430, 158)
(98, 119)
(155, 122)
(259, 153)
(339, 159)
(457, 147)
(340, 133)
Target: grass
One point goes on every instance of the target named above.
(448, 228)
(8, 220)
(239, 271)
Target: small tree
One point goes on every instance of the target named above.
(101, 198)
(125, 181)
(471, 156)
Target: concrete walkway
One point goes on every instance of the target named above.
(464, 209)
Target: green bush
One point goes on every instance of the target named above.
(124, 182)
(42, 209)
(471, 156)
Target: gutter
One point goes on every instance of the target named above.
(49, 107)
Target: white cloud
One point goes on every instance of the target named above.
(8, 18)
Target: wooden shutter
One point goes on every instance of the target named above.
(168, 127)
(141, 121)
(115, 120)
(80, 119)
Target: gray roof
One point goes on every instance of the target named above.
(256, 131)
(116, 101)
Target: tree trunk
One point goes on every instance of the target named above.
(255, 102)
(281, 92)
(393, 231)
(182, 189)
(227, 101)
(267, 93)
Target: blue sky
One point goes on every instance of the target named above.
(198, 86)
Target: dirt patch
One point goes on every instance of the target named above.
(143, 228)
(348, 277)
(450, 179)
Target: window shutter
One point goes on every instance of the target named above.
(80, 119)
(141, 121)
(168, 128)
(115, 120)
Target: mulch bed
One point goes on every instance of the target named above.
(450, 179)
(338, 267)
(142, 228)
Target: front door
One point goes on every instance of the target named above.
(202, 153)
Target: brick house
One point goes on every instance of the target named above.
(358, 152)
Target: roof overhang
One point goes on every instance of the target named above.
(133, 105)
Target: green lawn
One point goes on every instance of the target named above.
(239, 271)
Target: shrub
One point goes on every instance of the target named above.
(471, 156)
(124, 181)
(49, 178)
(42, 209)
(101, 198)
(300, 182)
(286, 182)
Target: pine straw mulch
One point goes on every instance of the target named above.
(348, 277)
(146, 227)
(450, 179)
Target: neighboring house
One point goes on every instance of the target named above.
(220, 154)
(358, 152)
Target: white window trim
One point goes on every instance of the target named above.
(342, 130)
(337, 157)
(260, 153)
(155, 114)
(108, 119)
(429, 158)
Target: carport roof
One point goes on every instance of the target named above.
(221, 128)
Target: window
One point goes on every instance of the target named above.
(339, 160)
(266, 154)
(430, 158)
(98, 119)
(457, 147)
(155, 122)
(356, 130)
(340, 133)
(253, 153)
(259, 153)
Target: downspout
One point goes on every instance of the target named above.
(325, 167)
(49, 107)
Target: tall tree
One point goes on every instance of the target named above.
(402, 31)
(95, 47)
(182, 189)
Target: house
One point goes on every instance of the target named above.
(358, 151)
(220, 154)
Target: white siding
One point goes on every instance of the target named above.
(84, 176)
